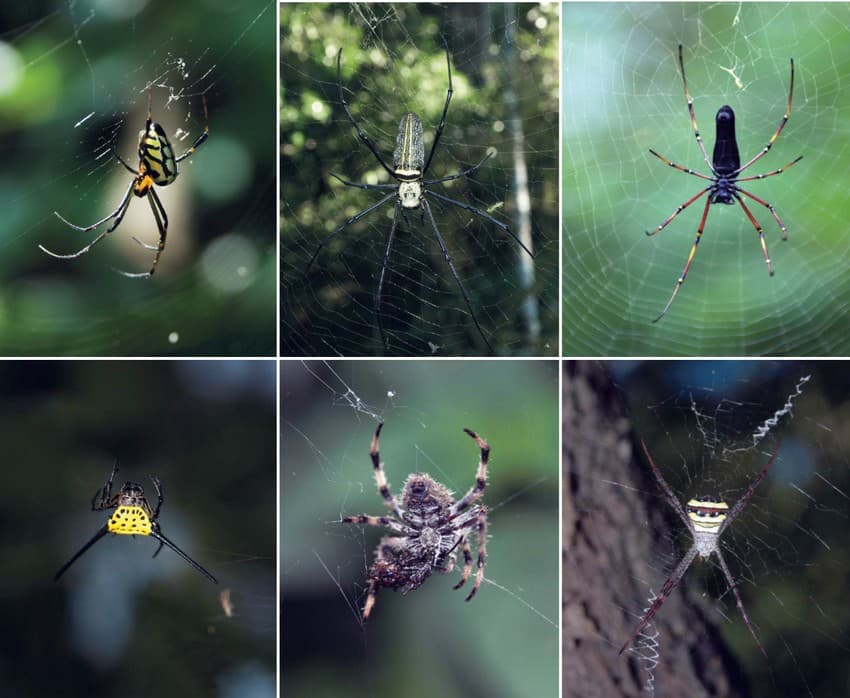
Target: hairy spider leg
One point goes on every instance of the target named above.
(380, 476)
(481, 541)
(477, 490)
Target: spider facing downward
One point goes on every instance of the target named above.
(432, 527)
(133, 516)
(725, 167)
(157, 167)
(706, 518)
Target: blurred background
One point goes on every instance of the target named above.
(624, 88)
(505, 641)
(119, 621)
(505, 103)
(76, 80)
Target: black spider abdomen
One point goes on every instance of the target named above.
(726, 158)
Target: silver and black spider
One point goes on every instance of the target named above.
(725, 167)
(706, 518)
(430, 526)
(410, 192)
(133, 516)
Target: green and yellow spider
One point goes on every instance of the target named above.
(157, 166)
(133, 516)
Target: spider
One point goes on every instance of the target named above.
(132, 516)
(432, 526)
(725, 169)
(157, 166)
(706, 518)
(410, 192)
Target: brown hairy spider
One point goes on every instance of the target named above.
(432, 526)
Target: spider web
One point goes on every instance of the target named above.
(625, 93)
(393, 61)
(76, 81)
(329, 413)
(711, 427)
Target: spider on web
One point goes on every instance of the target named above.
(133, 516)
(706, 518)
(725, 167)
(432, 526)
(411, 192)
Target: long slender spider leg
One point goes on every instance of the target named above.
(381, 478)
(679, 167)
(759, 231)
(363, 186)
(486, 216)
(439, 131)
(200, 139)
(445, 252)
(477, 489)
(688, 263)
(117, 214)
(386, 259)
(675, 213)
(157, 533)
(734, 587)
(363, 137)
(101, 498)
(691, 112)
(102, 531)
(769, 174)
(671, 498)
(351, 220)
(465, 173)
(162, 226)
(769, 208)
(668, 587)
(123, 162)
(782, 123)
(742, 502)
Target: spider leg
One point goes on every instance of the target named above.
(688, 263)
(488, 217)
(679, 167)
(782, 123)
(380, 476)
(102, 531)
(363, 137)
(363, 186)
(157, 533)
(481, 529)
(672, 500)
(161, 219)
(691, 112)
(666, 589)
(769, 208)
(123, 162)
(370, 599)
(441, 126)
(351, 220)
(465, 173)
(467, 564)
(101, 498)
(742, 502)
(445, 252)
(759, 231)
(734, 587)
(477, 489)
(384, 521)
(769, 174)
(386, 259)
(200, 139)
(675, 213)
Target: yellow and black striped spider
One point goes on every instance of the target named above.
(157, 166)
(133, 516)
(707, 518)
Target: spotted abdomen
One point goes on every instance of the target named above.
(157, 155)
(129, 521)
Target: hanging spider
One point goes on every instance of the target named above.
(410, 192)
(133, 516)
(157, 166)
(726, 168)
(706, 518)
(432, 527)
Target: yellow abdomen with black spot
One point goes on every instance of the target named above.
(157, 155)
(129, 521)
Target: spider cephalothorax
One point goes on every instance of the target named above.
(432, 527)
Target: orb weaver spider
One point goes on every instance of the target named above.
(133, 516)
(157, 166)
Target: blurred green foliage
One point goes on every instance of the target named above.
(77, 79)
(623, 92)
(505, 641)
(394, 61)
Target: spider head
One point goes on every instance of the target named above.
(132, 494)
(409, 194)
